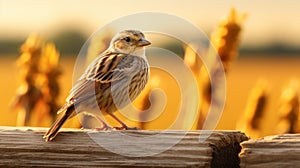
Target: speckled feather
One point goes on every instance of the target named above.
(116, 68)
(110, 82)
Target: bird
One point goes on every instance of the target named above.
(112, 80)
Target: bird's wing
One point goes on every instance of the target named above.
(111, 67)
(108, 68)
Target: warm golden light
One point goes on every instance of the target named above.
(253, 115)
(36, 98)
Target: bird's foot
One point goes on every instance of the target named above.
(125, 128)
(103, 128)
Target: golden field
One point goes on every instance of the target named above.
(243, 75)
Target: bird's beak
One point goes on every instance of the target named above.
(143, 42)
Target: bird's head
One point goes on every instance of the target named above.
(129, 42)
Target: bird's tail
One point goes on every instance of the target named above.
(68, 111)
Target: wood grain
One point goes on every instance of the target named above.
(22, 146)
(273, 151)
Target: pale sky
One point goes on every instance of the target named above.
(267, 20)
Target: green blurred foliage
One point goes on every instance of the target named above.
(10, 47)
(69, 42)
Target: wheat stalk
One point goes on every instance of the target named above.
(254, 111)
(289, 109)
(38, 74)
(225, 40)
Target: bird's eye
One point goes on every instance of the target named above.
(127, 39)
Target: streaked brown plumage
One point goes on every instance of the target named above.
(121, 72)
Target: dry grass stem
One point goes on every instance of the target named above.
(289, 109)
(225, 39)
(38, 74)
(254, 111)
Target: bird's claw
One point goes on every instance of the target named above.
(125, 128)
(103, 128)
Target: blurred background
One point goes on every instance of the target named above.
(263, 64)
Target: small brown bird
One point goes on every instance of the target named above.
(112, 80)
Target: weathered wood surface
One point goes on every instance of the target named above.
(274, 151)
(76, 148)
